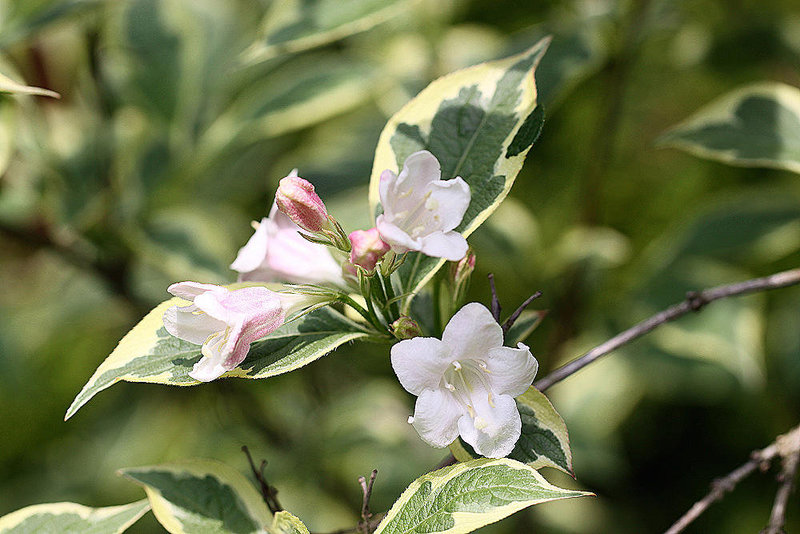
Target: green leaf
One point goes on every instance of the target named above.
(148, 353)
(479, 123)
(285, 523)
(71, 518)
(20, 20)
(544, 441)
(7, 85)
(201, 496)
(526, 323)
(754, 126)
(295, 25)
(469, 495)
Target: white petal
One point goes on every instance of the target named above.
(388, 178)
(436, 416)
(293, 259)
(254, 253)
(450, 245)
(472, 332)
(184, 323)
(451, 199)
(189, 290)
(419, 169)
(495, 429)
(207, 370)
(420, 363)
(511, 371)
(399, 240)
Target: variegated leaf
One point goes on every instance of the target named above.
(480, 123)
(71, 518)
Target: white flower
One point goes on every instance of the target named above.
(421, 211)
(277, 253)
(226, 322)
(466, 383)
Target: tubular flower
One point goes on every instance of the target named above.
(298, 200)
(226, 322)
(421, 211)
(368, 248)
(466, 383)
(277, 253)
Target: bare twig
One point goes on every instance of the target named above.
(760, 458)
(495, 300)
(366, 488)
(789, 448)
(514, 316)
(268, 493)
(694, 301)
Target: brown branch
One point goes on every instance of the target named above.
(268, 493)
(366, 488)
(694, 301)
(789, 448)
(760, 458)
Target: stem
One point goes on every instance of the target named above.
(366, 291)
(437, 306)
(347, 299)
(694, 302)
(391, 301)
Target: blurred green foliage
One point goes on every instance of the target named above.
(171, 135)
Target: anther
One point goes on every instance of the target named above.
(457, 365)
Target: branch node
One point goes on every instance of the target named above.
(268, 493)
(365, 525)
(696, 300)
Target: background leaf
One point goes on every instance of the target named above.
(285, 523)
(754, 126)
(469, 495)
(71, 518)
(201, 496)
(471, 121)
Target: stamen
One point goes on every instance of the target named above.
(457, 365)
(491, 400)
(471, 411)
(255, 224)
(449, 386)
(410, 419)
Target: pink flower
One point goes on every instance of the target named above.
(277, 253)
(368, 248)
(226, 322)
(298, 200)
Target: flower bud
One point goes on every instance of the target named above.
(368, 248)
(296, 198)
(405, 328)
(461, 270)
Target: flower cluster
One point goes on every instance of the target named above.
(466, 382)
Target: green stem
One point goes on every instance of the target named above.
(388, 290)
(347, 299)
(366, 291)
(437, 307)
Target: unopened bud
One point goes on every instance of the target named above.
(405, 328)
(461, 270)
(368, 248)
(298, 200)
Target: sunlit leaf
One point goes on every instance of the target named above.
(472, 121)
(469, 495)
(148, 353)
(201, 496)
(71, 518)
(294, 25)
(754, 126)
(285, 523)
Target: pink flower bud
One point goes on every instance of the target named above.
(405, 328)
(368, 248)
(297, 199)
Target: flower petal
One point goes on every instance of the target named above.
(436, 417)
(185, 322)
(511, 371)
(420, 363)
(254, 253)
(395, 236)
(190, 290)
(472, 332)
(494, 430)
(448, 245)
(450, 199)
(207, 370)
(419, 169)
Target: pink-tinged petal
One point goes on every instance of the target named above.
(187, 324)
(472, 332)
(420, 363)
(190, 290)
(511, 371)
(207, 370)
(254, 329)
(293, 259)
(297, 198)
(213, 303)
(448, 245)
(436, 417)
(496, 427)
(254, 253)
(449, 200)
